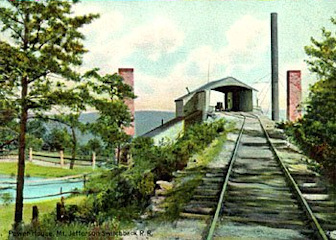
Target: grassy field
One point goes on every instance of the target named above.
(47, 206)
(33, 170)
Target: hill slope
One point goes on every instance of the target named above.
(147, 120)
(144, 120)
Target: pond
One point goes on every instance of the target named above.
(37, 189)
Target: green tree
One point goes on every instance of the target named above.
(58, 139)
(114, 115)
(36, 130)
(70, 120)
(93, 145)
(45, 43)
(322, 54)
(318, 128)
(8, 124)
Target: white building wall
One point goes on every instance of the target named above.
(170, 134)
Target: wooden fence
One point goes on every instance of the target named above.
(59, 158)
(10, 155)
(56, 158)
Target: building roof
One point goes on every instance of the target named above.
(224, 82)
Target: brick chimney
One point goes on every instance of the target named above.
(127, 74)
(293, 95)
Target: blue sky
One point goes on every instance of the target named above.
(177, 44)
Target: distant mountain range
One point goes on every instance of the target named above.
(144, 121)
(148, 120)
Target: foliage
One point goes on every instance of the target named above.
(6, 198)
(169, 157)
(44, 207)
(122, 188)
(8, 125)
(58, 139)
(36, 128)
(123, 192)
(322, 54)
(33, 142)
(45, 42)
(181, 194)
(49, 228)
(70, 120)
(316, 131)
(186, 185)
(312, 143)
(114, 114)
(38, 67)
(114, 193)
(93, 145)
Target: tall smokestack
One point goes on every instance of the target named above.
(127, 74)
(275, 66)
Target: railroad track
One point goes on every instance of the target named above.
(254, 197)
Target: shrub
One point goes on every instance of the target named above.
(6, 198)
(314, 142)
(125, 191)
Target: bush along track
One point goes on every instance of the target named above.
(123, 193)
(186, 182)
(319, 193)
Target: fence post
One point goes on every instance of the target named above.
(35, 214)
(84, 180)
(58, 211)
(93, 160)
(62, 158)
(30, 154)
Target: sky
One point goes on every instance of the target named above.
(177, 44)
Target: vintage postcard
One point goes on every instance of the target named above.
(168, 119)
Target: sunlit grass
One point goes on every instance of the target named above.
(33, 170)
(44, 207)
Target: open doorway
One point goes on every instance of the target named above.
(217, 101)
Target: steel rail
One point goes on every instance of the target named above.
(309, 213)
(221, 198)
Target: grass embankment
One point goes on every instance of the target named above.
(44, 207)
(33, 170)
(182, 194)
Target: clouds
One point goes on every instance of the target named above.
(112, 40)
(113, 43)
(246, 40)
(109, 21)
(171, 52)
(156, 39)
(247, 35)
